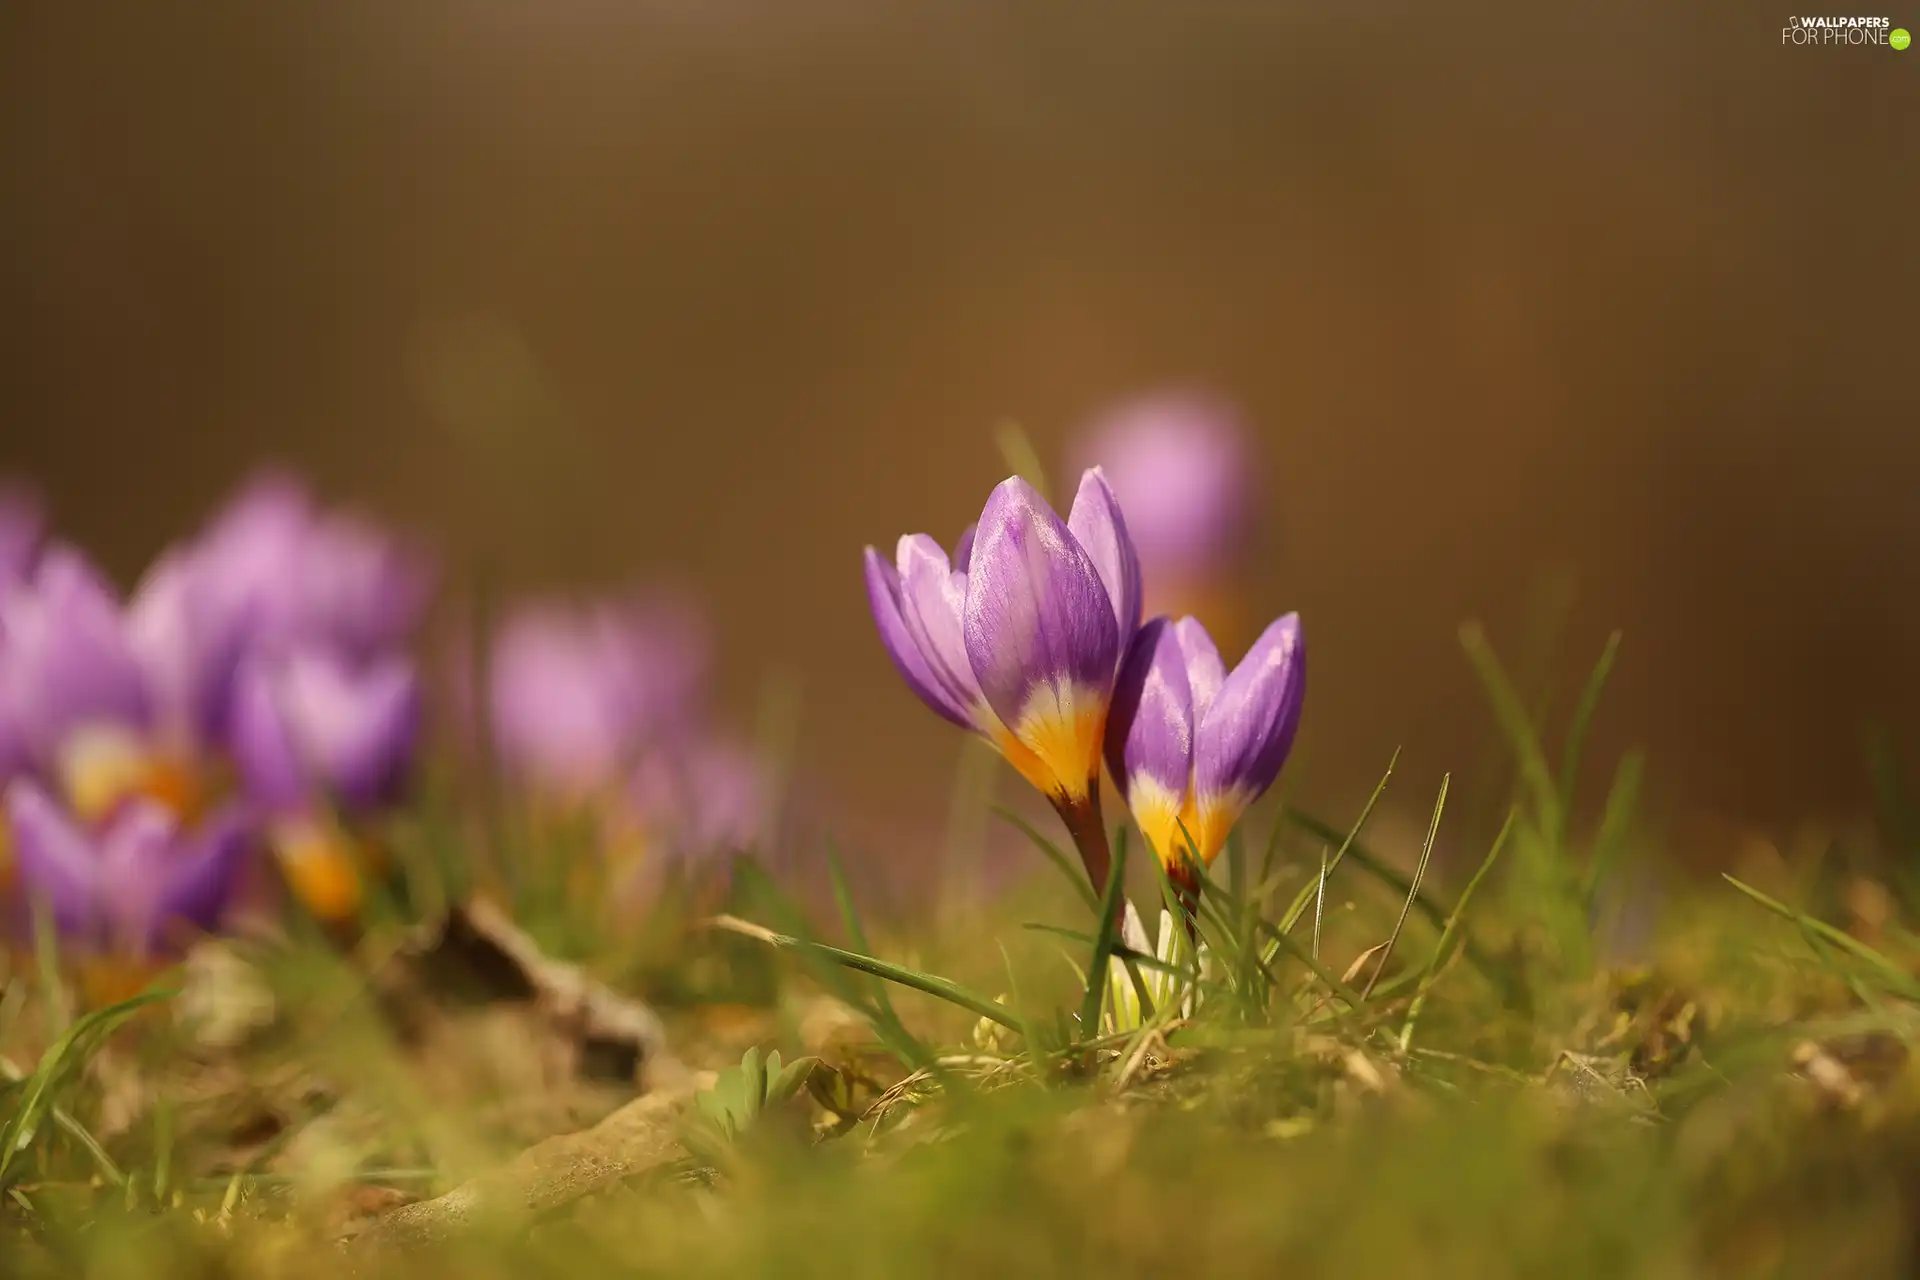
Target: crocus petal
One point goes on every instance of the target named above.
(1150, 735)
(205, 870)
(1101, 530)
(963, 549)
(186, 646)
(883, 596)
(704, 797)
(13, 752)
(577, 691)
(933, 600)
(1244, 737)
(53, 856)
(1040, 634)
(249, 558)
(310, 725)
(1205, 671)
(359, 586)
(66, 660)
(287, 571)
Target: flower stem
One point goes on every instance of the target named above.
(1089, 832)
(1186, 891)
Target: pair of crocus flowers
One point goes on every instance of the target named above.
(270, 647)
(1030, 635)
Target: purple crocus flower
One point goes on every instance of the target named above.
(1180, 464)
(96, 697)
(322, 739)
(702, 796)
(1018, 635)
(131, 883)
(313, 725)
(577, 693)
(284, 571)
(1192, 744)
(66, 661)
(102, 698)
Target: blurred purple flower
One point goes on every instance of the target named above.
(1181, 466)
(313, 727)
(1018, 635)
(282, 570)
(67, 660)
(707, 796)
(104, 698)
(130, 884)
(22, 528)
(1191, 744)
(577, 693)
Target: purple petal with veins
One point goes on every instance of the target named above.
(1037, 615)
(1244, 737)
(932, 600)
(1099, 527)
(1205, 671)
(897, 637)
(1150, 726)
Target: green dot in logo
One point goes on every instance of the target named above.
(1899, 38)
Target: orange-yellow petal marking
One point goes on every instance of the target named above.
(1059, 731)
(1158, 811)
(1210, 820)
(1169, 821)
(101, 767)
(323, 868)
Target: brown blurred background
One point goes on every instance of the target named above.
(725, 289)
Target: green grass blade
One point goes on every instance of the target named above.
(893, 1034)
(1444, 948)
(850, 920)
(1021, 458)
(1039, 1051)
(46, 954)
(1286, 942)
(1372, 864)
(1346, 842)
(1068, 867)
(1535, 775)
(1413, 890)
(1583, 713)
(58, 1065)
(925, 983)
(1616, 823)
(1103, 942)
(1320, 898)
(1898, 979)
(1121, 951)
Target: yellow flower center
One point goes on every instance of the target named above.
(326, 868)
(103, 766)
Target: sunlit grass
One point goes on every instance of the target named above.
(1384, 1067)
